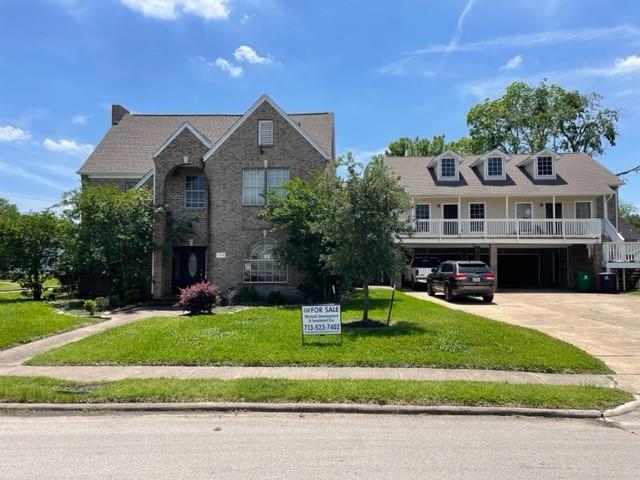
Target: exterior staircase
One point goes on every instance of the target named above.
(631, 280)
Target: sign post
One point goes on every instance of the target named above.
(319, 320)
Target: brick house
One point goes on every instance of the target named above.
(214, 170)
(536, 219)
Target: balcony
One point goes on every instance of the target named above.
(509, 228)
(621, 254)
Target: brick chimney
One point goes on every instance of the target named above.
(117, 112)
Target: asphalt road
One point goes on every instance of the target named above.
(315, 446)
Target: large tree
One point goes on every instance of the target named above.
(419, 147)
(31, 245)
(529, 118)
(361, 225)
(631, 213)
(111, 237)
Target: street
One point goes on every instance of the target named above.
(269, 446)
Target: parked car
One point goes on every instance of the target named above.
(418, 271)
(462, 279)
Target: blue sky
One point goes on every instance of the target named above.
(387, 69)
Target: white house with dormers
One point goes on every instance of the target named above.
(536, 219)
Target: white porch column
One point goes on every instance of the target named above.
(605, 207)
(506, 207)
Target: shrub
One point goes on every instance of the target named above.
(90, 306)
(275, 298)
(102, 303)
(114, 301)
(247, 294)
(132, 296)
(50, 297)
(198, 298)
(228, 297)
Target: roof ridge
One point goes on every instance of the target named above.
(213, 114)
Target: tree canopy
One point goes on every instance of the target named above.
(527, 119)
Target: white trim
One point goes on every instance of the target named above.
(575, 207)
(254, 107)
(177, 132)
(445, 154)
(515, 212)
(422, 203)
(456, 166)
(204, 203)
(537, 176)
(128, 175)
(545, 152)
(503, 176)
(144, 178)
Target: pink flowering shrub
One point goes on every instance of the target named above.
(198, 298)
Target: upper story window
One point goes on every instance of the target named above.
(495, 167)
(265, 132)
(544, 167)
(423, 211)
(256, 182)
(448, 168)
(194, 191)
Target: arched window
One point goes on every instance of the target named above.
(261, 265)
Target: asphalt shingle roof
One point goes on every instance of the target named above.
(577, 174)
(128, 147)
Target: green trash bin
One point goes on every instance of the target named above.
(584, 280)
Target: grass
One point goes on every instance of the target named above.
(6, 285)
(23, 320)
(422, 334)
(396, 392)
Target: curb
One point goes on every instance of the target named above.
(298, 408)
(622, 409)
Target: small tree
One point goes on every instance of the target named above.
(31, 244)
(631, 213)
(362, 223)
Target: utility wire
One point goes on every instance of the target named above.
(631, 170)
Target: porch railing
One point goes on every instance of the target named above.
(509, 228)
(621, 252)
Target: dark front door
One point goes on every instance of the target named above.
(549, 210)
(450, 216)
(553, 229)
(188, 266)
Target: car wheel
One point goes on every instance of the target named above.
(430, 290)
(448, 295)
(487, 298)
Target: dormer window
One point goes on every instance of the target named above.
(544, 167)
(448, 168)
(495, 167)
(265, 133)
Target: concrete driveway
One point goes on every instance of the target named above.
(606, 326)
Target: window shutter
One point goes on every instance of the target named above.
(265, 132)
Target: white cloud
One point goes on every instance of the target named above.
(244, 53)
(226, 66)
(171, 9)
(532, 39)
(80, 119)
(513, 63)
(12, 169)
(453, 43)
(625, 65)
(13, 134)
(68, 146)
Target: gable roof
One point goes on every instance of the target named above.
(265, 98)
(577, 174)
(129, 145)
(185, 126)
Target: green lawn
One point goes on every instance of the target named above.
(6, 285)
(23, 320)
(422, 334)
(396, 392)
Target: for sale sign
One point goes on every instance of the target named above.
(321, 320)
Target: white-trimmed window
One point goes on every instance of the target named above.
(265, 132)
(544, 167)
(262, 265)
(276, 178)
(422, 212)
(448, 168)
(495, 167)
(253, 186)
(194, 191)
(583, 209)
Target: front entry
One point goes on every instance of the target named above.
(450, 216)
(188, 266)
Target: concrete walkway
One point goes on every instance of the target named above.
(606, 326)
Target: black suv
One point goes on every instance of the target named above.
(462, 279)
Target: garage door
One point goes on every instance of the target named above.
(520, 270)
